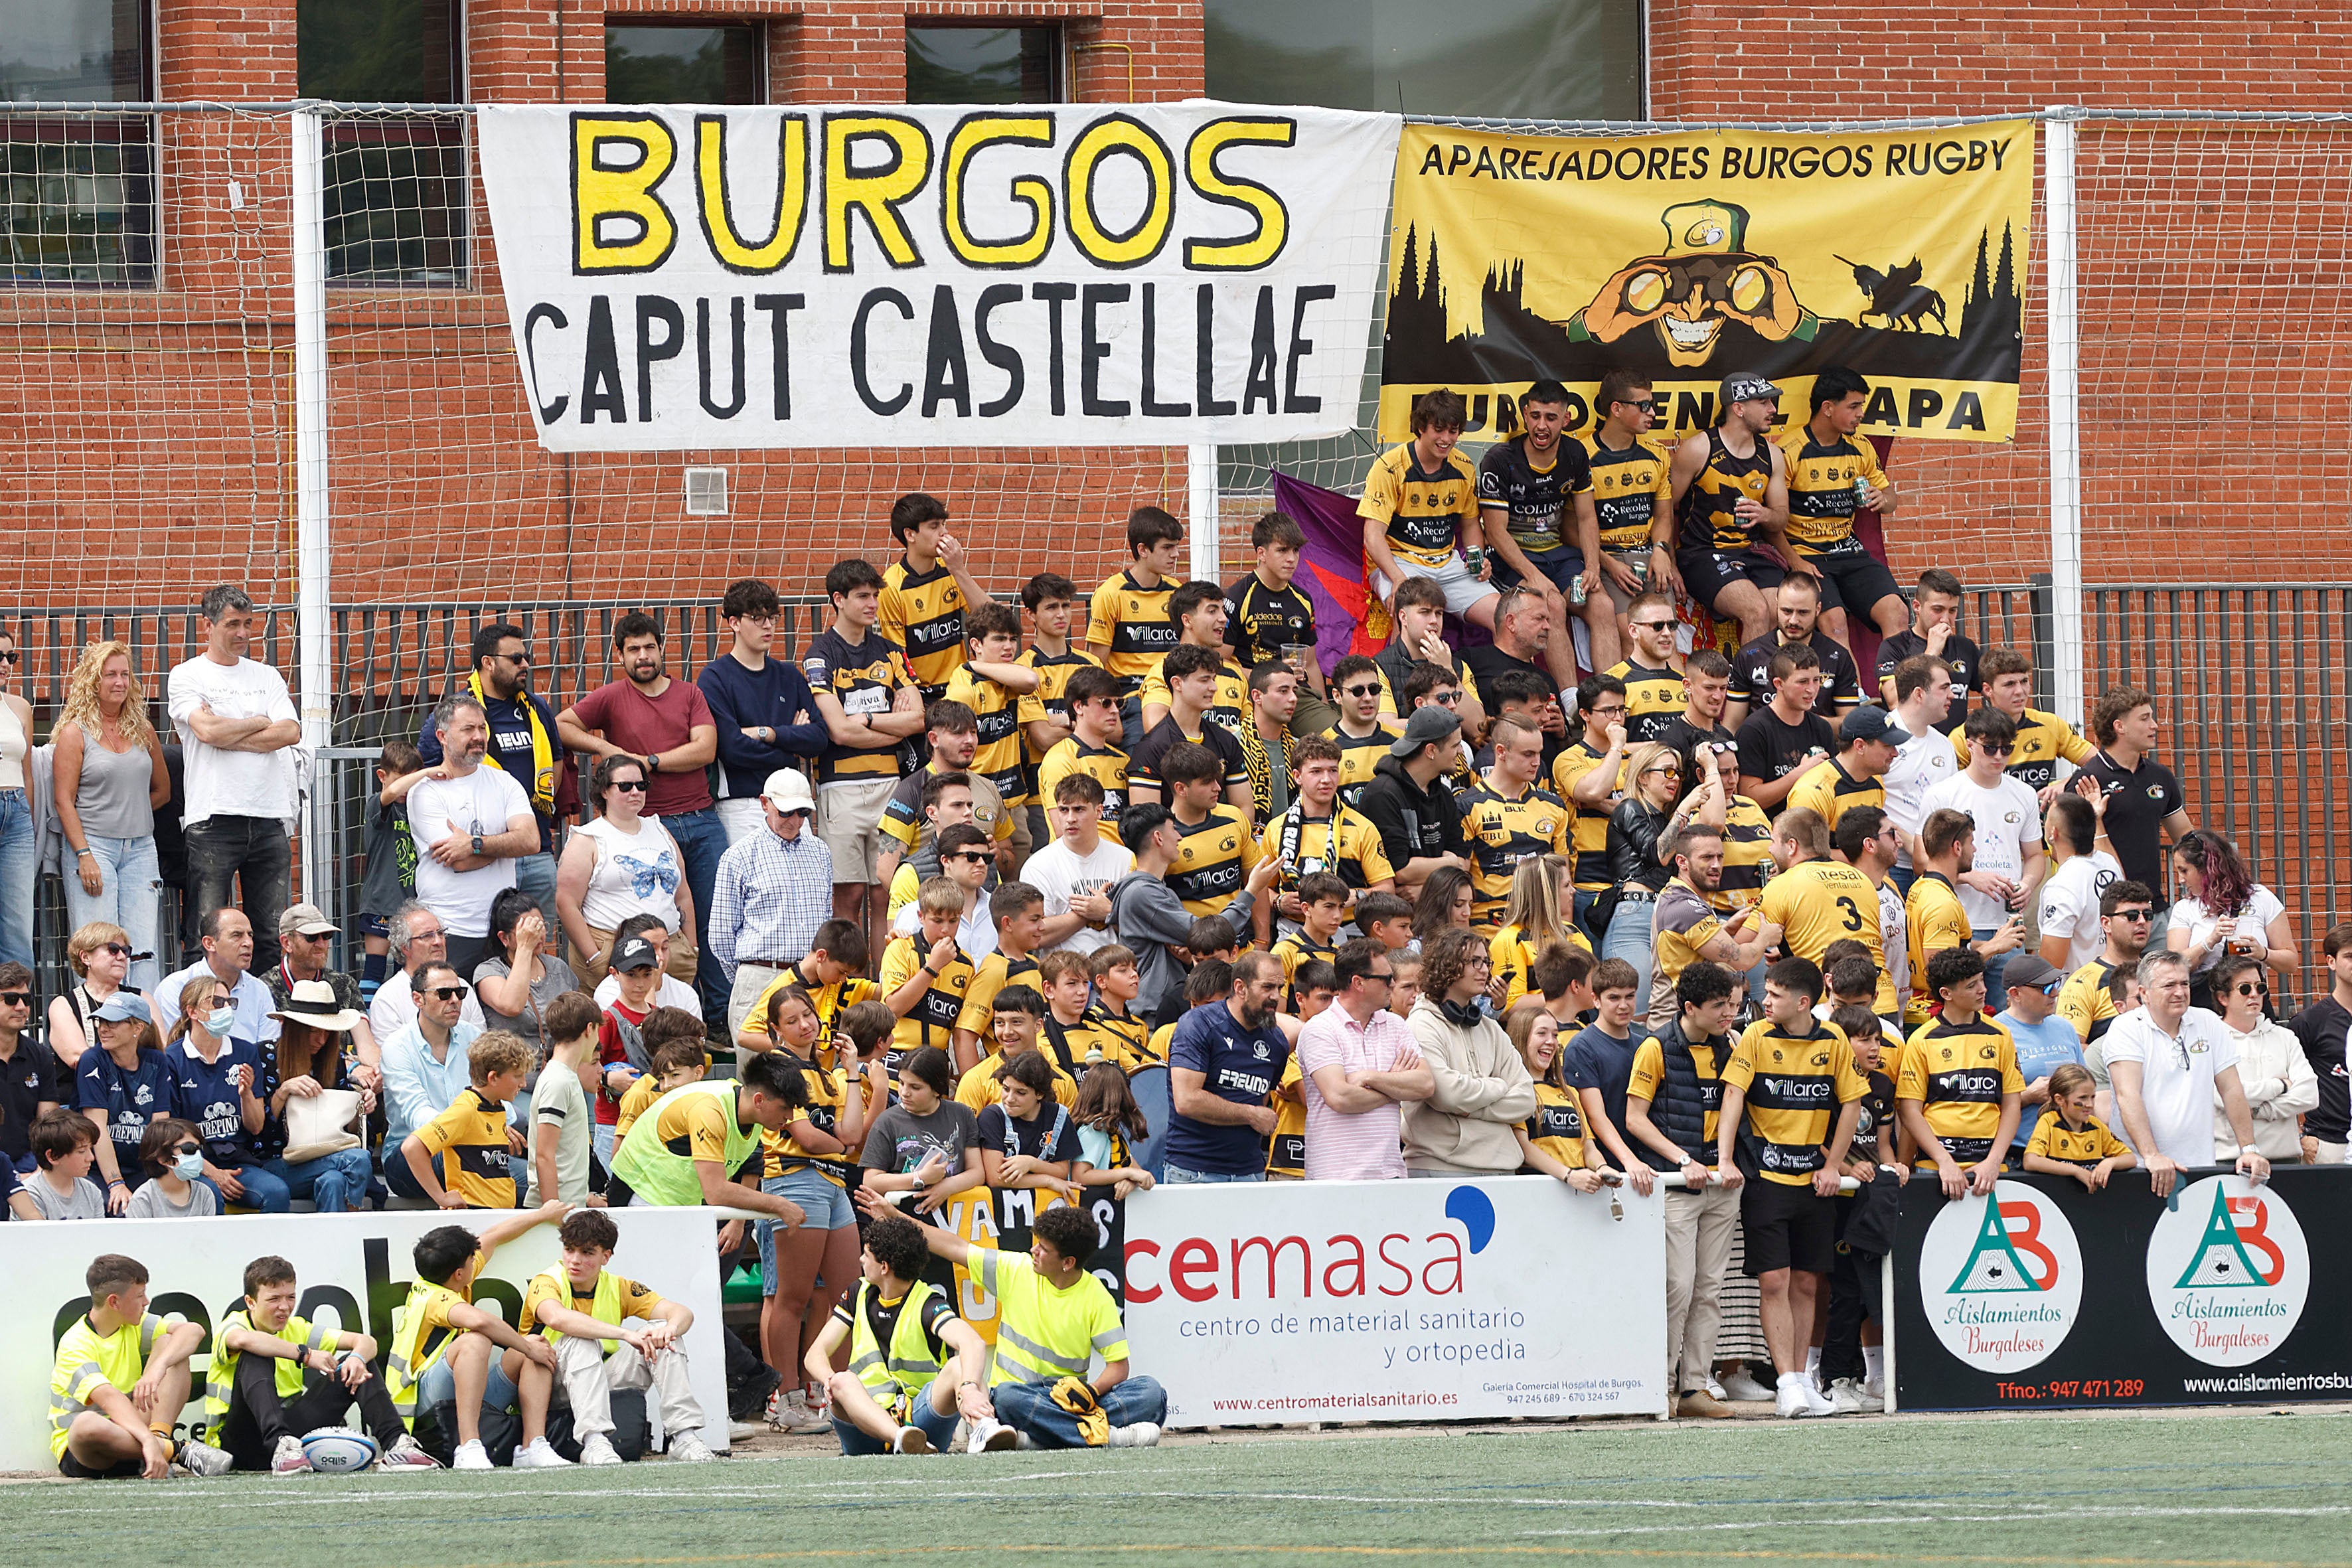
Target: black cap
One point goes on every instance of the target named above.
(635, 953)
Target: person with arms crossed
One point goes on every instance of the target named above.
(1361, 1066)
(2273, 1072)
(1921, 691)
(471, 825)
(1958, 1091)
(1076, 872)
(1128, 624)
(2171, 1066)
(1785, 739)
(1834, 475)
(2007, 863)
(1934, 632)
(867, 697)
(1536, 509)
(118, 1382)
(1729, 489)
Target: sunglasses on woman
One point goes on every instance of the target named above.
(634, 786)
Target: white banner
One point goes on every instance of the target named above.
(1067, 275)
(1413, 1300)
(353, 1269)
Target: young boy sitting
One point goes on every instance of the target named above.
(899, 1329)
(65, 1143)
(471, 1134)
(442, 1343)
(120, 1381)
(1028, 1142)
(276, 1376)
(582, 1308)
(1121, 1036)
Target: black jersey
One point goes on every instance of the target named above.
(1535, 499)
(1706, 520)
(1259, 621)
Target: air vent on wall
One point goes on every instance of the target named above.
(706, 492)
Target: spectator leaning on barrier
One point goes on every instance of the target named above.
(523, 745)
(2170, 1063)
(765, 714)
(2322, 1028)
(1481, 1090)
(239, 738)
(2277, 1079)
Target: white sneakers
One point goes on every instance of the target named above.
(541, 1455)
(911, 1440)
(791, 1413)
(407, 1454)
(989, 1435)
(1846, 1397)
(1740, 1385)
(686, 1448)
(1798, 1397)
(203, 1459)
(595, 1449)
(287, 1458)
(471, 1456)
(1140, 1434)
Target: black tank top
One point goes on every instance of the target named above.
(1706, 520)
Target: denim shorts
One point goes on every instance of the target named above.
(439, 1385)
(826, 1204)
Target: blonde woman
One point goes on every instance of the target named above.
(1536, 915)
(99, 956)
(109, 779)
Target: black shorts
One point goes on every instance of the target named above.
(1851, 578)
(1787, 1227)
(1706, 572)
(124, 1471)
(1560, 568)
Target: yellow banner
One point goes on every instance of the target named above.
(1685, 258)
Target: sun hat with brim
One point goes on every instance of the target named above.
(312, 1001)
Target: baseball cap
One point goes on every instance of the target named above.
(1741, 385)
(1427, 725)
(309, 919)
(2030, 970)
(635, 953)
(787, 789)
(1870, 722)
(122, 1004)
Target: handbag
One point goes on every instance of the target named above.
(320, 1125)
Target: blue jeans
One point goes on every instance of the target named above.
(1903, 877)
(16, 874)
(535, 875)
(1029, 1407)
(1629, 938)
(248, 856)
(439, 1386)
(400, 1178)
(1996, 988)
(701, 839)
(1177, 1176)
(938, 1428)
(1582, 904)
(335, 1184)
(130, 894)
(264, 1190)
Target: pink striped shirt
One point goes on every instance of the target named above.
(1365, 1146)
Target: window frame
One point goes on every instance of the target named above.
(140, 139)
(1058, 90)
(764, 83)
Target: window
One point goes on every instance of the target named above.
(983, 65)
(646, 62)
(77, 192)
(396, 183)
(1546, 59)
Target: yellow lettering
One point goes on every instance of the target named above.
(1111, 136)
(618, 225)
(964, 143)
(1260, 245)
(876, 193)
(726, 242)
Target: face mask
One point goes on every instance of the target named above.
(188, 1167)
(220, 1020)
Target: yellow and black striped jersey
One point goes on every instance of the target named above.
(1747, 856)
(2084, 1001)
(933, 1019)
(1231, 708)
(1558, 1126)
(1822, 502)
(1653, 699)
(1501, 831)
(1124, 1039)
(1820, 903)
(2085, 1145)
(1128, 624)
(1792, 1086)
(922, 611)
(998, 711)
(1958, 1073)
(1589, 838)
(993, 975)
(1107, 766)
(1933, 920)
(1345, 843)
(1260, 622)
(1360, 755)
(1423, 511)
(1214, 861)
(863, 677)
(1514, 955)
(1296, 951)
(2041, 740)
(1832, 792)
(1707, 521)
(1054, 672)
(1648, 1074)
(1630, 487)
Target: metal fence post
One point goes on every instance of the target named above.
(1202, 502)
(2041, 615)
(312, 534)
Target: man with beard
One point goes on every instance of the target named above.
(523, 745)
(1730, 490)
(1534, 494)
(470, 827)
(1684, 927)
(1222, 1063)
(1796, 624)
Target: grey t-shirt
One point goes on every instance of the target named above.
(899, 1140)
(555, 978)
(86, 1202)
(560, 1102)
(150, 1202)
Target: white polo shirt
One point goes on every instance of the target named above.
(2177, 1072)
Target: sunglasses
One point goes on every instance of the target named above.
(2251, 988)
(187, 1148)
(1361, 691)
(1662, 773)
(16, 998)
(2000, 750)
(1651, 625)
(1447, 698)
(634, 786)
(1647, 405)
(116, 948)
(522, 659)
(981, 855)
(2134, 914)
(448, 993)
(10, 658)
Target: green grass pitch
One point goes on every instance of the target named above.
(2112, 1490)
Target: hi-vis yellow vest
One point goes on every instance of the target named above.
(897, 1380)
(606, 1310)
(662, 1175)
(410, 1358)
(220, 1383)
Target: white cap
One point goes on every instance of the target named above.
(788, 790)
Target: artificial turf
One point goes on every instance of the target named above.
(2115, 1490)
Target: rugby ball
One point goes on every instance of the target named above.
(339, 1450)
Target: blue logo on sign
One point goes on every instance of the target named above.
(1475, 1212)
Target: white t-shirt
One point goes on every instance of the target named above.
(2263, 907)
(1894, 937)
(975, 936)
(483, 802)
(1058, 872)
(234, 783)
(2179, 1100)
(2070, 905)
(2007, 818)
(1921, 763)
(671, 993)
(636, 874)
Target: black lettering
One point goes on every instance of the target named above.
(652, 307)
(1003, 356)
(1925, 404)
(1776, 162)
(1882, 409)
(1510, 164)
(780, 308)
(1093, 350)
(1461, 156)
(1432, 161)
(1300, 347)
(702, 356)
(1657, 169)
(1260, 379)
(1838, 161)
(1999, 151)
(1055, 296)
(1205, 353)
(1699, 162)
(1967, 413)
(1950, 158)
(1804, 162)
(945, 375)
(600, 372)
(1485, 163)
(906, 393)
(1152, 407)
(385, 1294)
(1861, 161)
(1694, 410)
(548, 413)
